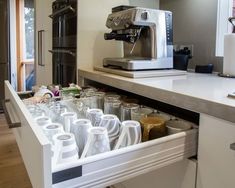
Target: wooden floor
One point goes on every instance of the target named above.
(12, 170)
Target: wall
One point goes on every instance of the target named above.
(194, 22)
(92, 15)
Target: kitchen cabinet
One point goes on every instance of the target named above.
(104, 169)
(216, 160)
(43, 41)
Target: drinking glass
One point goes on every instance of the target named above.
(100, 99)
(140, 113)
(79, 129)
(112, 104)
(177, 125)
(130, 134)
(126, 109)
(162, 115)
(97, 142)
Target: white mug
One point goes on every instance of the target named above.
(94, 115)
(112, 124)
(67, 120)
(97, 142)
(79, 128)
(52, 129)
(130, 134)
(43, 120)
(176, 126)
(64, 149)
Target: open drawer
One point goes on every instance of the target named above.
(95, 171)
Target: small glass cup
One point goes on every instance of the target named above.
(100, 99)
(112, 105)
(97, 142)
(126, 109)
(140, 113)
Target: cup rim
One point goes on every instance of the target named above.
(68, 114)
(182, 126)
(109, 115)
(102, 130)
(56, 125)
(131, 123)
(83, 121)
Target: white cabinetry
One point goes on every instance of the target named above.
(43, 41)
(216, 161)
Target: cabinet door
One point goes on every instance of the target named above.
(216, 161)
(178, 175)
(43, 34)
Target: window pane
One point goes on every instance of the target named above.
(29, 29)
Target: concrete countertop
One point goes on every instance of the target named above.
(202, 93)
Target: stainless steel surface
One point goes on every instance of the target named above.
(63, 51)
(232, 146)
(147, 37)
(62, 11)
(4, 46)
(7, 116)
(40, 48)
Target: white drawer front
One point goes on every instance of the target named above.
(33, 145)
(116, 166)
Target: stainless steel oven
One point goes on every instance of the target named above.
(64, 45)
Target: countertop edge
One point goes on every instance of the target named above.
(198, 105)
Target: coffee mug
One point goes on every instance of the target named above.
(94, 116)
(130, 134)
(43, 120)
(152, 127)
(52, 129)
(97, 142)
(176, 126)
(67, 120)
(64, 149)
(112, 124)
(80, 130)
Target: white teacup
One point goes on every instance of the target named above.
(176, 126)
(94, 116)
(67, 119)
(52, 129)
(97, 142)
(130, 134)
(64, 149)
(112, 124)
(80, 130)
(43, 120)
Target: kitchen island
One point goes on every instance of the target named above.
(205, 94)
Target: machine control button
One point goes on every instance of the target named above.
(144, 15)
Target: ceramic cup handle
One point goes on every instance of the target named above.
(146, 131)
(87, 146)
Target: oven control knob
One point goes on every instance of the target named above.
(144, 15)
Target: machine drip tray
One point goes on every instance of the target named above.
(141, 74)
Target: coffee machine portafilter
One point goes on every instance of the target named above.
(147, 38)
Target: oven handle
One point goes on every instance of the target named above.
(63, 51)
(63, 10)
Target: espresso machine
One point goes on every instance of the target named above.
(147, 38)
